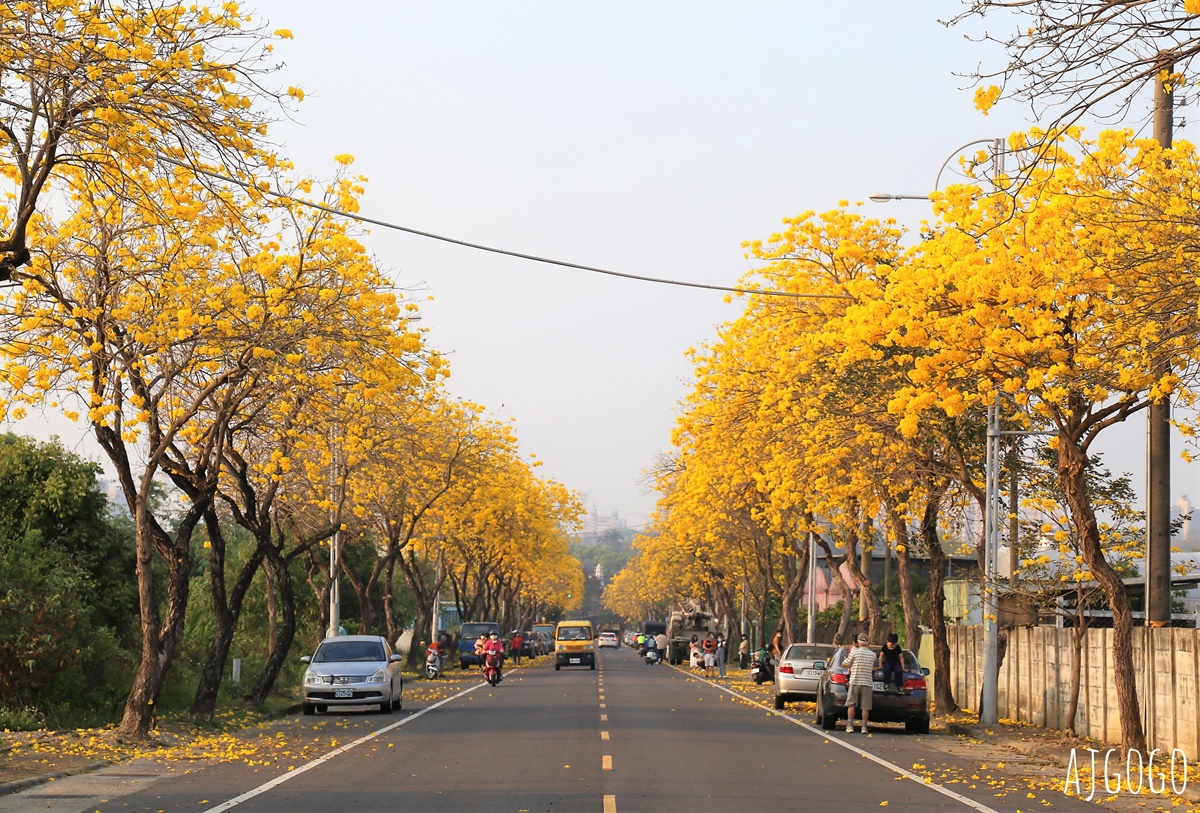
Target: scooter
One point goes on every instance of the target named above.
(433, 664)
(652, 657)
(491, 668)
(761, 669)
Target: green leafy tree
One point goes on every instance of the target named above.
(68, 604)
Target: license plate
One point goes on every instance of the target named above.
(879, 687)
(754, 670)
(343, 693)
(810, 673)
(574, 660)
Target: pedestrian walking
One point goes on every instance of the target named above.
(709, 650)
(861, 663)
(722, 654)
(694, 655)
(516, 644)
(744, 653)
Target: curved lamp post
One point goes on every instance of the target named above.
(988, 712)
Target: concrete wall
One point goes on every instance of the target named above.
(1035, 681)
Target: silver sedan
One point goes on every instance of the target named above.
(799, 671)
(353, 670)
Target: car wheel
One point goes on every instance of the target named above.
(779, 702)
(828, 721)
(308, 709)
(557, 667)
(322, 709)
(920, 726)
(593, 666)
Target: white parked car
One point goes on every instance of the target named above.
(353, 670)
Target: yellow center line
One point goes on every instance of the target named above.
(606, 763)
(603, 706)
(610, 804)
(604, 718)
(604, 735)
(601, 697)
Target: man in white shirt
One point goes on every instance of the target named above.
(861, 663)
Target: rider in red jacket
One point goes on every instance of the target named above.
(495, 646)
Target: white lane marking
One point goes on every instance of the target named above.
(827, 735)
(321, 760)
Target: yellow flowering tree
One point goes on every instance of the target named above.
(114, 86)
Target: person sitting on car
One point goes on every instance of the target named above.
(890, 661)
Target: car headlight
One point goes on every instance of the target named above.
(561, 647)
(588, 647)
(379, 677)
(311, 678)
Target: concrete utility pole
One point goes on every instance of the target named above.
(1158, 427)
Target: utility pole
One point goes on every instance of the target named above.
(1014, 523)
(1158, 423)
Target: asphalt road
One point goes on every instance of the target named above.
(625, 737)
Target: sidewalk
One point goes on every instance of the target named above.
(1054, 748)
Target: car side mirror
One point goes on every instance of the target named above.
(306, 659)
(925, 671)
(819, 665)
(395, 658)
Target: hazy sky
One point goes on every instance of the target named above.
(649, 138)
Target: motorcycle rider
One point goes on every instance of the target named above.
(652, 653)
(439, 649)
(494, 646)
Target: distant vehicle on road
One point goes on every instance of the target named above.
(574, 644)
(352, 670)
(608, 639)
(911, 707)
(466, 641)
(799, 672)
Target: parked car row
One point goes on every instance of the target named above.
(815, 672)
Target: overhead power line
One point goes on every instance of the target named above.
(492, 249)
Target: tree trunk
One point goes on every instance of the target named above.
(866, 594)
(1072, 474)
(835, 568)
(272, 607)
(912, 618)
(1078, 631)
(287, 628)
(159, 638)
(943, 697)
(795, 569)
(227, 609)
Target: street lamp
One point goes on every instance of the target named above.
(988, 712)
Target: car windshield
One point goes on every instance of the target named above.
(333, 651)
(802, 652)
(574, 634)
(471, 631)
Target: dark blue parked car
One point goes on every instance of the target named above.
(466, 641)
(911, 707)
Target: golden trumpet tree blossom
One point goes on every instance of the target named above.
(113, 86)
